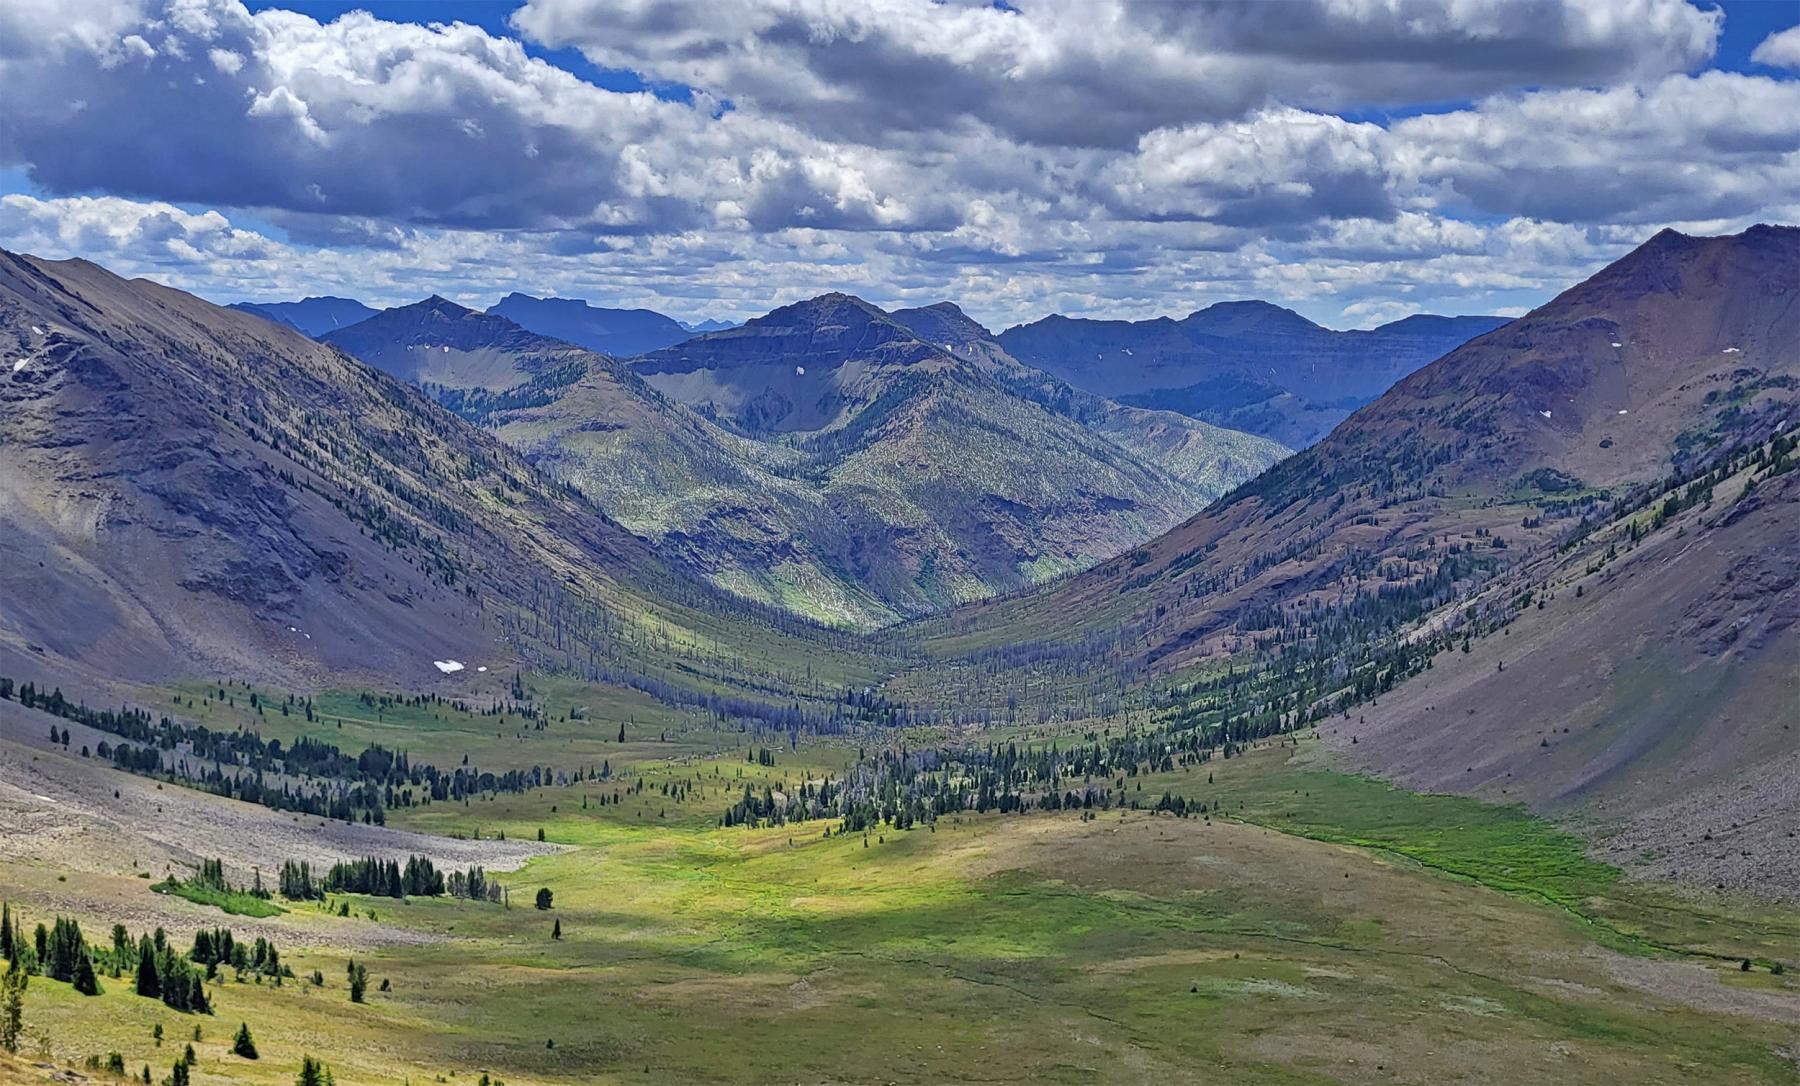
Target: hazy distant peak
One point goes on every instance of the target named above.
(1245, 315)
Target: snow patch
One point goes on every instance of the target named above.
(1618, 345)
(1546, 414)
(1622, 411)
(799, 371)
(481, 669)
(36, 331)
(21, 364)
(447, 666)
(1732, 350)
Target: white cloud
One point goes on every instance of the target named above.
(1779, 50)
(1277, 166)
(1716, 145)
(1112, 158)
(1105, 72)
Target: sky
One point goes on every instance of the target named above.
(1355, 160)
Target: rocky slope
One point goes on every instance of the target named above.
(1567, 496)
(189, 489)
(1534, 416)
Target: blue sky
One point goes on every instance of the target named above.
(1357, 163)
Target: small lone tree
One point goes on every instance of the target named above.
(243, 1045)
(312, 1073)
(12, 1005)
(359, 981)
(556, 930)
(544, 897)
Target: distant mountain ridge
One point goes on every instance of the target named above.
(617, 332)
(440, 343)
(1248, 365)
(311, 316)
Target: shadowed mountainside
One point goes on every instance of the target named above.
(311, 316)
(617, 332)
(1248, 365)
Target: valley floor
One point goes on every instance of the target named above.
(1324, 928)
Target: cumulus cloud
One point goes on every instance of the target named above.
(1105, 72)
(1716, 145)
(1098, 156)
(1779, 50)
(443, 125)
(1284, 166)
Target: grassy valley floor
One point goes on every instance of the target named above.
(1322, 928)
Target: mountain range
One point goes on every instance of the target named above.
(311, 316)
(619, 332)
(1247, 365)
(1555, 566)
(826, 458)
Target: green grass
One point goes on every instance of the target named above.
(1502, 847)
(1328, 919)
(235, 902)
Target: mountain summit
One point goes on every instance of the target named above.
(617, 332)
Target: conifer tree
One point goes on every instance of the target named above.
(148, 984)
(12, 1005)
(243, 1045)
(84, 980)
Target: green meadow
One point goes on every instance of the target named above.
(1320, 928)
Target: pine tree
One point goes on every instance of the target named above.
(12, 1005)
(85, 981)
(556, 930)
(148, 984)
(243, 1045)
(311, 1073)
